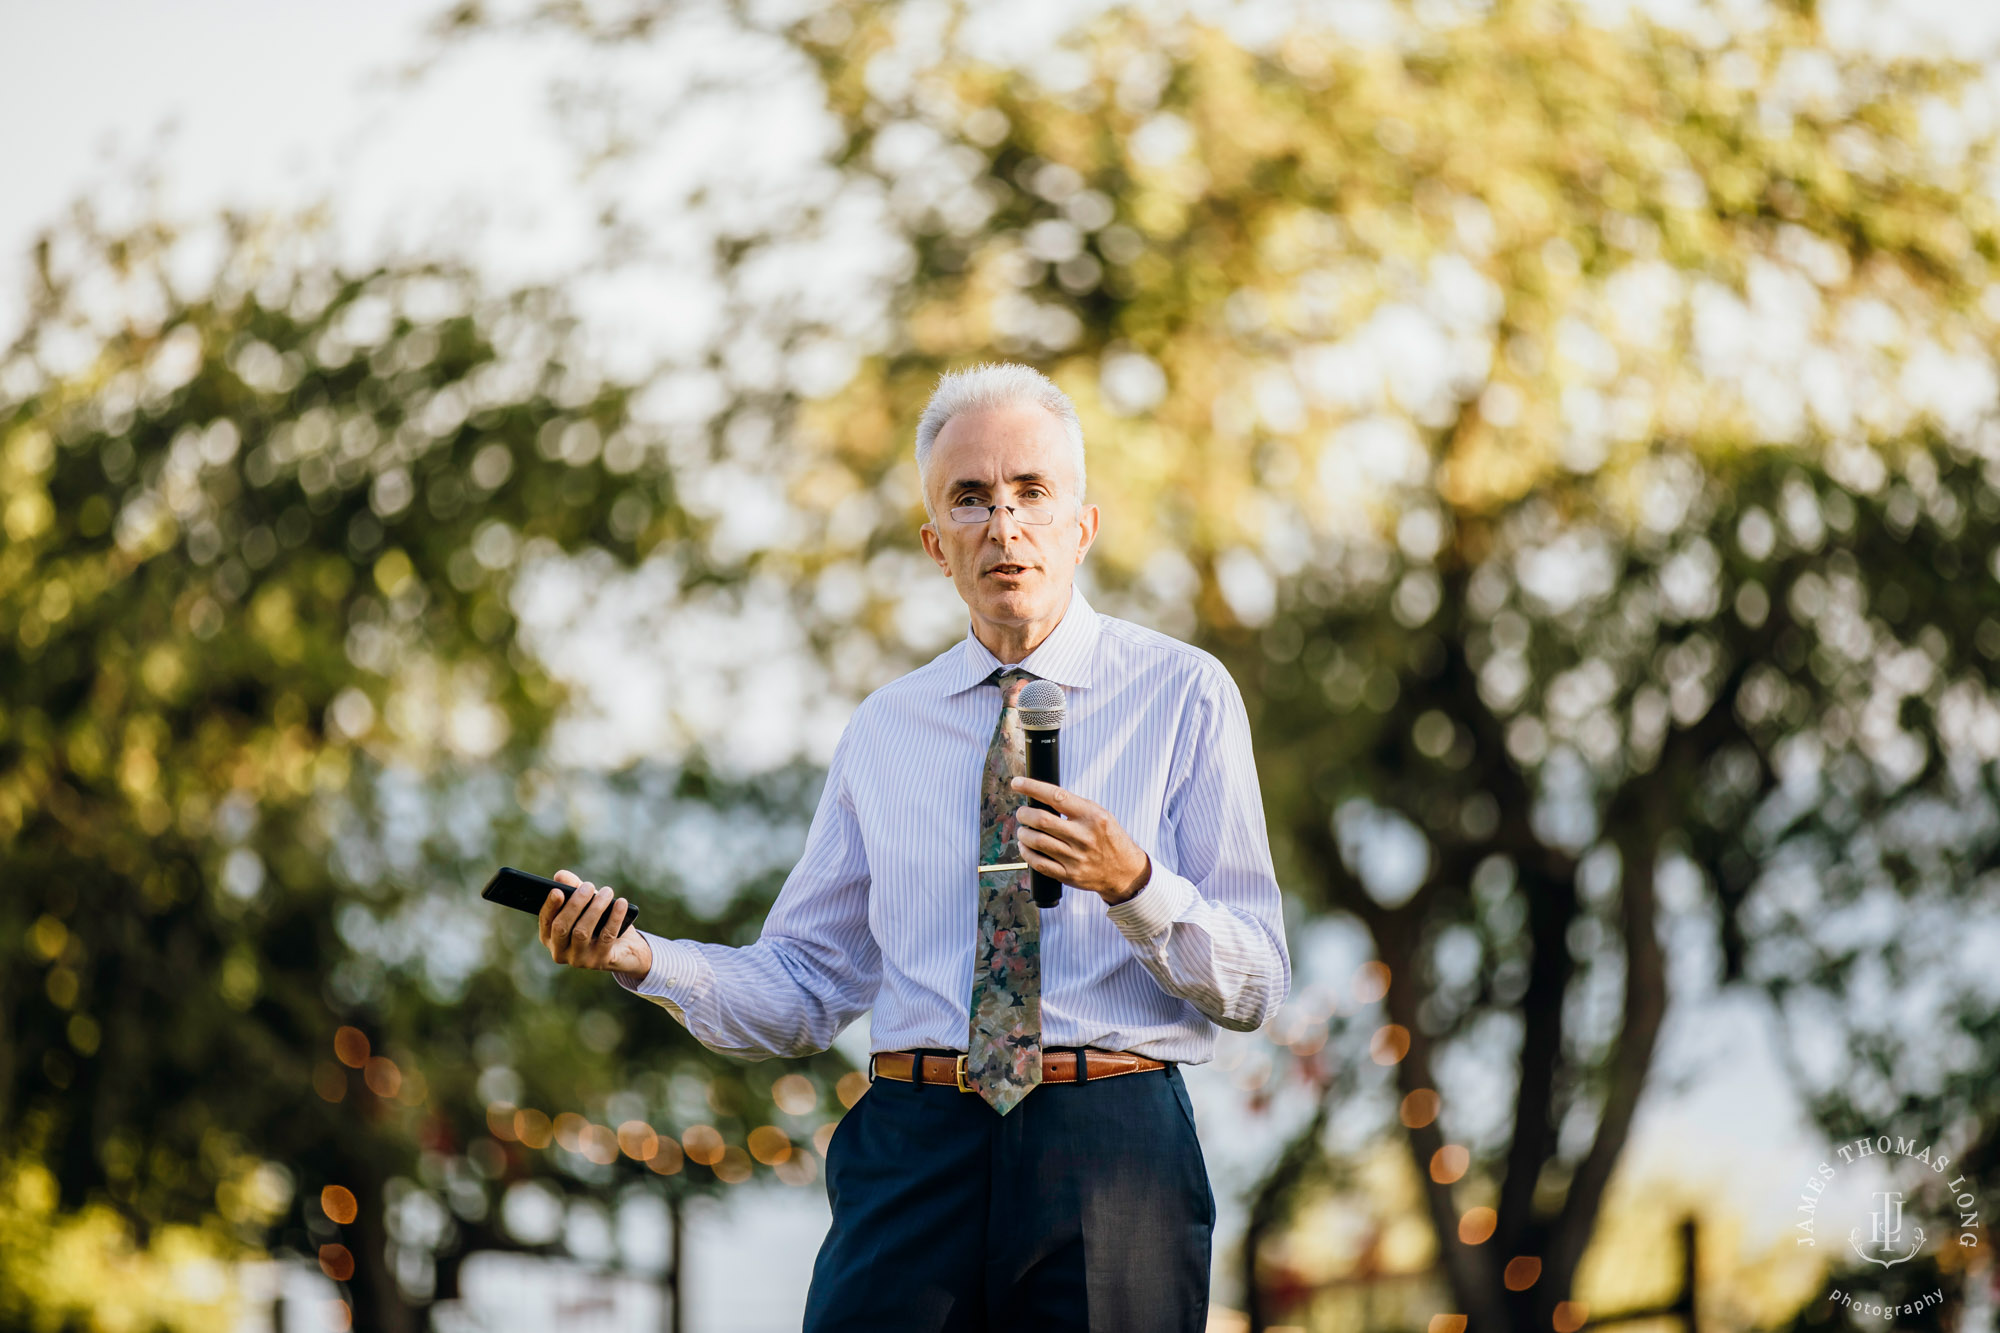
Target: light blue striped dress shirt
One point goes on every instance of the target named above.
(880, 911)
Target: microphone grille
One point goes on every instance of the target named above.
(1042, 706)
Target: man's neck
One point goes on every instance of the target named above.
(1012, 643)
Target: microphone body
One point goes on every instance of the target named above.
(1045, 765)
(1043, 711)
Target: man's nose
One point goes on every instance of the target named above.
(999, 529)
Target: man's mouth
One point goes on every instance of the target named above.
(1006, 569)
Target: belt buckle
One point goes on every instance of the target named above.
(958, 1072)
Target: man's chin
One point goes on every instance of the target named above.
(1016, 605)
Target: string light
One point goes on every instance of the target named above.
(1476, 1227)
(337, 1262)
(1420, 1108)
(339, 1204)
(667, 1158)
(795, 1095)
(532, 1128)
(350, 1047)
(1449, 1164)
(638, 1141)
(1390, 1044)
(382, 1076)
(770, 1145)
(703, 1144)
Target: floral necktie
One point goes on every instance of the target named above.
(1004, 1051)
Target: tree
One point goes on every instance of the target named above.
(1571, 436)
(264, 730)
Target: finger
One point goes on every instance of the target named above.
(1046, 865)
(1056, 838)
(1047, 849)
(567, 877)
(614, 921)
(593, 912)
(546, 917)
(579, 898)
(1046, 792)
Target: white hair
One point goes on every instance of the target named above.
(995, 384)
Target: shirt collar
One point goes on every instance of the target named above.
(1064, 657)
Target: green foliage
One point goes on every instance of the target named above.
(1496, 399)
(1565, 620)
(264, 731)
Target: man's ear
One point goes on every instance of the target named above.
(1086, 521)
(934, 547)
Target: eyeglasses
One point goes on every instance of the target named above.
(984, 514)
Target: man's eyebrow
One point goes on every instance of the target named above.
(1019, 479)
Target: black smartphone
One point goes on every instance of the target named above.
(517, 888)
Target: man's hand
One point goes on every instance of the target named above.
(569, 928)
(1079, 844)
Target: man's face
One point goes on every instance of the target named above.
(1008, 572)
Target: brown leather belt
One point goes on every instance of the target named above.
(1057, 1067)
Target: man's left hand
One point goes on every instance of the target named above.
(1079, 843)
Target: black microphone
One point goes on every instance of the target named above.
(1042, 709)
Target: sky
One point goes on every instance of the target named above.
(265, 105)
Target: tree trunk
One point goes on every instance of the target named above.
(676, 1283)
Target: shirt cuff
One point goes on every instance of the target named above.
(1157, 905)
(673, 968)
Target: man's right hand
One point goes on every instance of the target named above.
(569, 929)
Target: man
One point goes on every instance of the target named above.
(1025, 1156)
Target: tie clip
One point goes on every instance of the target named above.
(1004, 865)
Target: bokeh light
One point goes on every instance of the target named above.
(1523, 1271)
(667, 1158)
(598, 1144)
(337, 1262)
(1449, 1163)
(851, 1087)
(532, 1128)
(1570, 1316)
(382, 1076)
(329, 1081)
(1390, 1044)
(339, 1204)
(1476, 1226)
(770, 1145)
(350, 1047)
(1447, 1323)
(1371, 982)
(638, 1141)
(703, 1144)
(794, 1094)
(569, 1128)
(1420, 1108)
(798, 1169)
(734, 1166)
